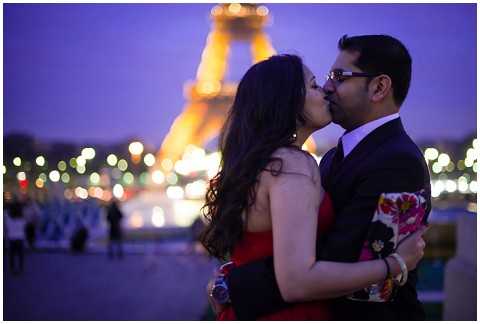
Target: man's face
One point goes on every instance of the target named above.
(349, 104)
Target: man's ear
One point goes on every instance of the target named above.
(380, 87)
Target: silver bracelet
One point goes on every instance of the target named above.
(404, 275)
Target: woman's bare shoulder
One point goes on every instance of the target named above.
(293, 161)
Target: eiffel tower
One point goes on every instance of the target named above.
(210, 96)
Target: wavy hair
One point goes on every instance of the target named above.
(267, 109)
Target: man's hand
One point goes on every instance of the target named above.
(217, 308)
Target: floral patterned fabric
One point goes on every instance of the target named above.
(397, 215)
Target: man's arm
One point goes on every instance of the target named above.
(404, 173)
(398, 173)
(254, 290)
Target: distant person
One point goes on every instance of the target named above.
(78, 241)
(114, 218)
(32, 216)
(15, 233)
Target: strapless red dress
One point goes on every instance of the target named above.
(258, 245)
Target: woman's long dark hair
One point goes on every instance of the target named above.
(267, 108)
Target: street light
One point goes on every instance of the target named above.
(17, 161)
(88, 153)
(112, 160)
(54, 176)
(136, 149)
(118, 191)
(149, 159)
(431, 153)
(21, 176)
(40, 161)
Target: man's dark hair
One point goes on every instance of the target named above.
(382, 54)
(16, 209)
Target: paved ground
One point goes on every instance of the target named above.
(160, 285)
(154, 281)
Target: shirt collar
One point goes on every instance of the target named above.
(351, 139)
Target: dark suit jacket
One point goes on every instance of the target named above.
(386, 160)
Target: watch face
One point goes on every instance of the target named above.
(220, 293)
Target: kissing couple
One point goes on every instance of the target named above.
(339, 241)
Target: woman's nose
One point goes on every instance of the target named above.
(329, 87)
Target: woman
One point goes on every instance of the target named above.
(278, 105)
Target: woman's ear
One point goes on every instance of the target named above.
(380, 87)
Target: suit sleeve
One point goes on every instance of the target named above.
(254, 290)
(344, 242)
(399, 174)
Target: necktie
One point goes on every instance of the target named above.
(339, 151)
(337, 158)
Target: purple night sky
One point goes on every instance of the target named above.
(106, 72)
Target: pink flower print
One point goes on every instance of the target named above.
(387, 206)
(405, 202)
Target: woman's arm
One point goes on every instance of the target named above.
(295, 198)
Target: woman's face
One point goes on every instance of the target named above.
(316, 107)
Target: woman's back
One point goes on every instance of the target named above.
(257, 242)
(259, 215)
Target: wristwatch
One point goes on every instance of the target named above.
(219, 290)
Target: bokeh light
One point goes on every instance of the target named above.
(112, 159)
(21, 176)
(118, 191)
(135, 148)
(40, 161)
(88, 153)
(62, 166)
(158, 177)
(149, 159)
(94, 178)
(65, 178)
(17, 161)
(54, 176)
(158, 216)
(122, 165)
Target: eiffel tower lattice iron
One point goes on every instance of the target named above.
(210, 96)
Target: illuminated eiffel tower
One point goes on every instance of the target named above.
(210, 96)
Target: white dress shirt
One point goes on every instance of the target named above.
(15, 227)
(351, 139)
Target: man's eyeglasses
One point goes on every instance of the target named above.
(338, 76)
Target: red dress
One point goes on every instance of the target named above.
(263, 247)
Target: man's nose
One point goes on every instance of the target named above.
(329, 87)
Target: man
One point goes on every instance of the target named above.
(114, 218)
(366, 86)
